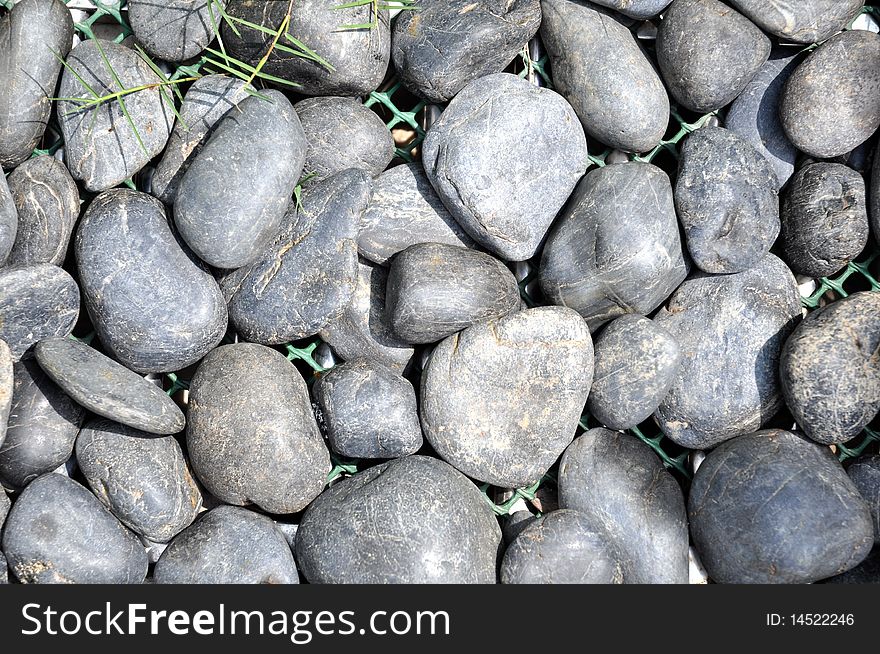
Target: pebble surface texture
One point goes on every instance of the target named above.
(874, 196)
(731, 329)
(255, 444)
(228, 545)
(435, 290)
(481, 155)
(830, 370)
(100, 147)
(865, 474)
(866, 572)
(708, 53)
(7, 383)
(771, 507)
(232, 199)
(618, 482)
(446, 44)
(413, 520)
(803, 21)
(57, 532)
(8, 220)
(107, 388)
(154, 308)
(599, 67)
(831, 103)
(726, 200)
(615, 248)
(28, 73)
(174, 30)
(502, 399)
(369, 411)
(639, 9)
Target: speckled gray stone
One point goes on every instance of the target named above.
(107, 388)
(174, 30)
(8, 220)
(866, 572)
(28, 73)
(411, 520)
(831, 102)
(445, 44)
(618, 482)
(502, 399)
(153, 306)
(615, 248)
(255, 443)
(804, 21)
(602, 71)
(513, 524)
(726, 198)
(771, 507)
(482, 154)
(5, 503)
(731, 329)
(7, 383)
(865, 474)
(57, 532)
(369, 411)
(874, 196)
(100, 147)
(708, 53)
(829, 369)
(638, 9)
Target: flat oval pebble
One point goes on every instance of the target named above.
(175, 30)
(638, 9)
(7, 383)
(154, 308)
(8, 220)
(865, 474)
(804, 21)
(413, 520)
(481, 157)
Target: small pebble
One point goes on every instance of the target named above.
(865, 474)
(804, 21)
(175, 30)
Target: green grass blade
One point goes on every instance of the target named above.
(75, 74)
(134, 128)
(158, 71)
(229, 19)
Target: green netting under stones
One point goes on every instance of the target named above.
(405, 116)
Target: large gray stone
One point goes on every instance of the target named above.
(8, 220)
(865, 474)
(638, 9)
(7, 383)
(804, 21)
(174, 30)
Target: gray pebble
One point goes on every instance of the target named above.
(804, 21)
(638, 9)
(7, 383)
(865, 474)
(8, 220)
(174, 30)
(513, 524)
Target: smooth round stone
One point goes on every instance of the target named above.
(228, 545)
(414, 520)
(824, 219)
(621, 485)
(100, 147)
(445, 44)
(773, 508)
(502, 399)
(866, 572)
(829, 369)
(831, 102)
(731, 329)
(804, 21)
(708, 53)
(342, 133)
(43, 424)
(57, 532)
(513, 524)
(144, 481)
(29, 72)
(8, 220)
(482, 153)
(232, 199)
(636, 362)
(154, 308)
(435, 290)
(255, 443)
(108, 389)
(36, 302)
(562, 547)
(174, 30)
(368, 411)
(638, 9)
(7, 383)
(358, 57)
(865, 474)
(726, 200)
(599, 67)
(615, 248)
(405, 210)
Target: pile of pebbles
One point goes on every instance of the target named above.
(260, 217)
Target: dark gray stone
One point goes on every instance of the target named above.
(8, 220)
(7, 383)
(602, 71)
(771, 507)
(228, 545)
(726, 198)
(482, 154)
(804, 21)
(28, 73)
(108, 389)
(100, 147)
(874, 197)
(174, 30)
(866, 572)
(831, 102)
(502, 399)
(5, 503)
(731, 329)
(255, 443)
(615, 248)
(638, 9)
(708, 53)
(830, 371)
(865, 474)
(412, 520)
(153, 306)
(445, 44)
(513, 524)
(369, 411)
(57, 532)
